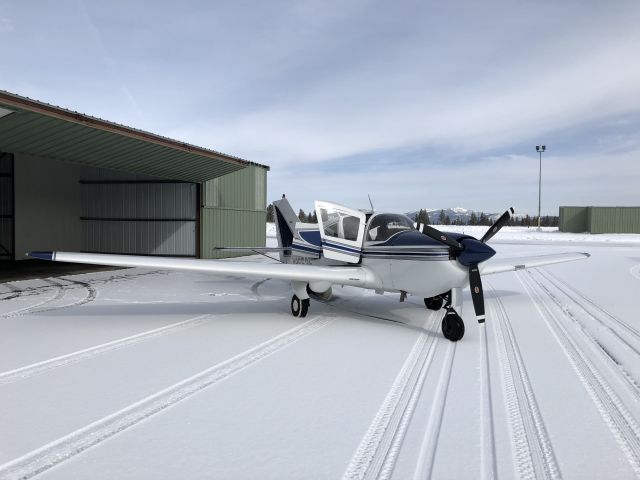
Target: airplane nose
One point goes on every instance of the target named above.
(474, 252)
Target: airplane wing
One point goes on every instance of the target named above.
(355, 276)
(500, 265)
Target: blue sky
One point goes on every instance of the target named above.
(417, 103)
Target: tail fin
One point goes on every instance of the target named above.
(286, 220)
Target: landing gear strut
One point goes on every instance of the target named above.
(299, 308)
(452, 324)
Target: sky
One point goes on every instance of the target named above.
(419, 104)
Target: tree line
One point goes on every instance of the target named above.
(422, 216)
(486, 220)
(310, 217)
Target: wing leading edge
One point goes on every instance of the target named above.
(520, 263)
(355, 276)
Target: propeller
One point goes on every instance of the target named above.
(441, 237)
(470, 252)
(501, 222)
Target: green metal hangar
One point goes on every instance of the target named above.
(73, 182)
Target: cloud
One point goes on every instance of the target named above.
(434, 102)
(6, 25)
(389, 102)
(489, 183)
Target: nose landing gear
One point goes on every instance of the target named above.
(452, 325)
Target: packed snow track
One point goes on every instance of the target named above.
(151, 374)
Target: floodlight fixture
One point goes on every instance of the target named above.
(540, 149)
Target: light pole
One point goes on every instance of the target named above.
(540, 149)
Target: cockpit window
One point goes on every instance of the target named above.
(385, 225)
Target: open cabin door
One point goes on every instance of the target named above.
(341, 230)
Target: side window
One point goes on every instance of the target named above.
(350, 227)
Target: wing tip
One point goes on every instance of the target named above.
(51, 256)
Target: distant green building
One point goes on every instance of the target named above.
(600, 219)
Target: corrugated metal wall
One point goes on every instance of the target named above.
(600, 219)
(614, 219)
(234, 211)
(573, 219)
(138, 216)
(6, 207)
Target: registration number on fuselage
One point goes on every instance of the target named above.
(299, 260)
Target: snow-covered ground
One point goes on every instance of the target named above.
(150, 374)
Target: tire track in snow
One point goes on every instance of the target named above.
(635, 271)
(378, 450)
(617, 417)
(67, 447)
(601, 340)
(487, 436)
(533, 451)
(429, 445)
(90, 296)
(592, 308)
(61, 289)
(27, 371)
(58, 294)
(14, 292)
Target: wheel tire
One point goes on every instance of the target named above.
(452, 326)
(296, 306)
(433, 303)
(305, 308)
(299, 308)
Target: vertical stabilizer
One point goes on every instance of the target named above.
(285, 221)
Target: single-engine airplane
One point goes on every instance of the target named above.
(384, 252)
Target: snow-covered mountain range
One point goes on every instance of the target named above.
(455, 213)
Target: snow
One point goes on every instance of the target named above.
(150, 374)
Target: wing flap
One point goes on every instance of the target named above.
(355, 276)
(520, 263)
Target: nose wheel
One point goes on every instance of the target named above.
(299, 308)
(452, 325)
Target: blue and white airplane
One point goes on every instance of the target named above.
(384, 252)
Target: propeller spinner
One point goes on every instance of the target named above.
(470, 252)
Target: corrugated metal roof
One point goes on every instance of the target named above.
(45, 130)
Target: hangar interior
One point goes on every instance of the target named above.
(77, 183)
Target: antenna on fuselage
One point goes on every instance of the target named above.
(371, 203)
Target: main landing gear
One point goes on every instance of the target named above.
(299, 308)
(452, 323)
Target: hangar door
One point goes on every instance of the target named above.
(141, 217)
(6, 207)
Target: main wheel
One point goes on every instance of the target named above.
(452, 326)
(433, 303)
(299, 308)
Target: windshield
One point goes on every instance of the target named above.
(385, 225)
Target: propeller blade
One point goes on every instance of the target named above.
(501, 222)
(477, 295)
(429, 231)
